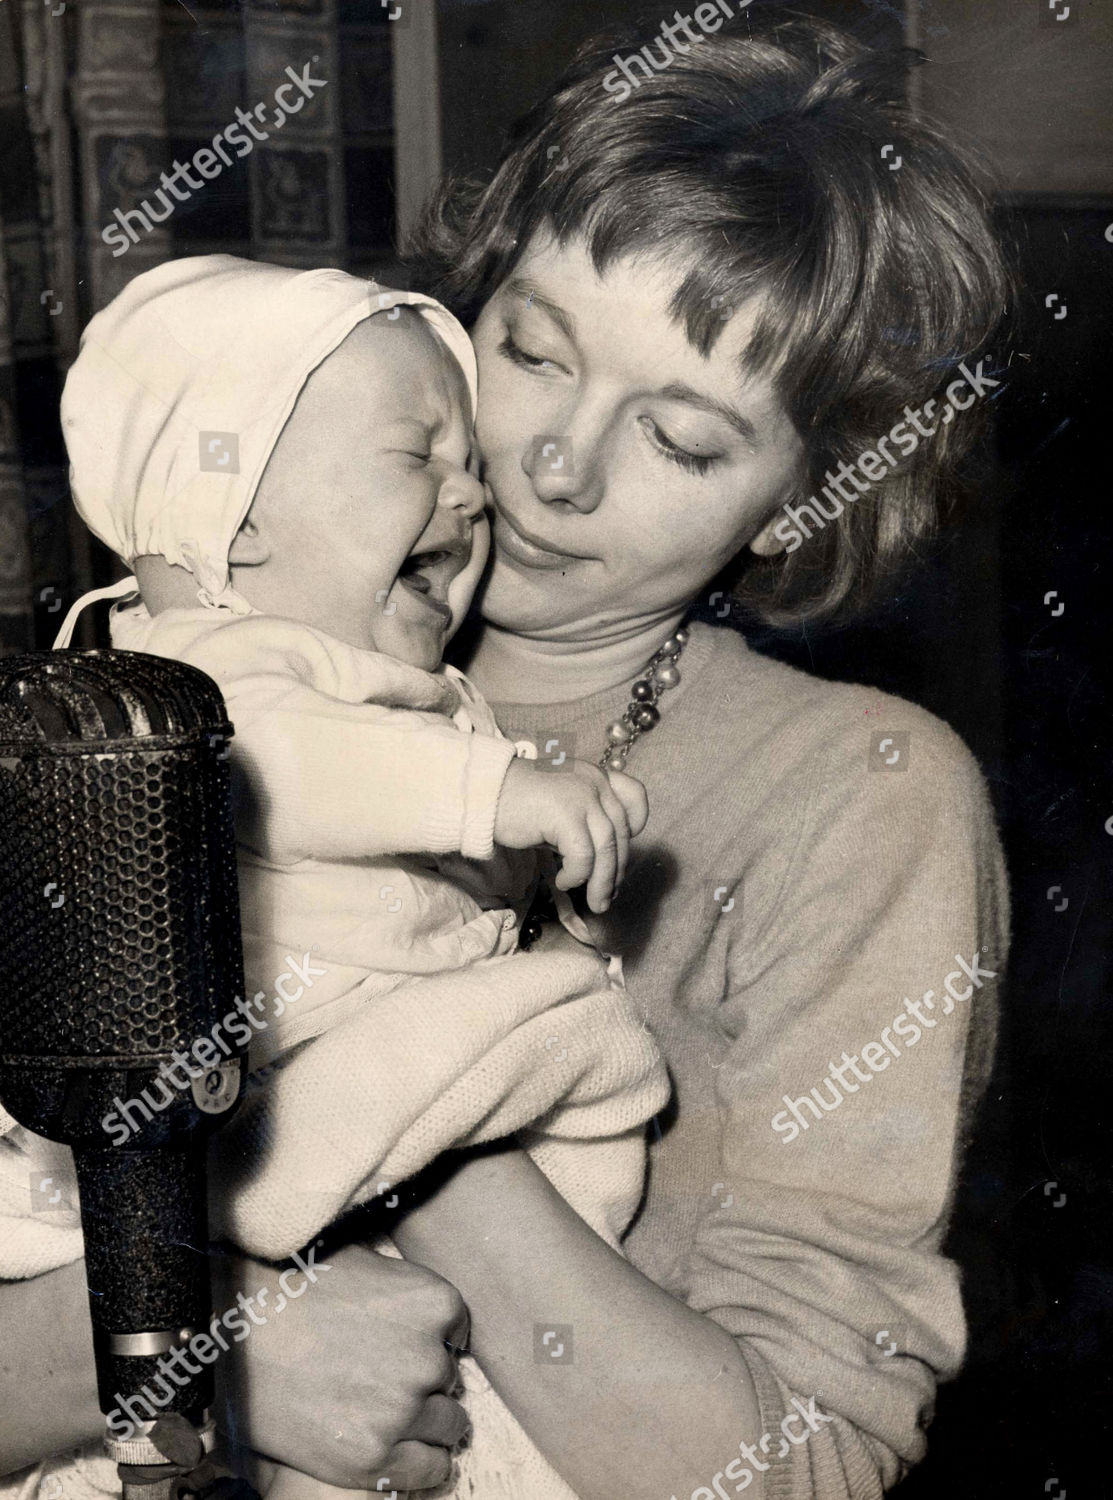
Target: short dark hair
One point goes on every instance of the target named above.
(754, 164)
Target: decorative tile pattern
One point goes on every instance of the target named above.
(294, 201)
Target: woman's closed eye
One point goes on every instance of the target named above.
(510, 349)
(692, 463)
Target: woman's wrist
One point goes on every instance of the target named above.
(50, 1386)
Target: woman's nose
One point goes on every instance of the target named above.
(463, 491)
(564, 468)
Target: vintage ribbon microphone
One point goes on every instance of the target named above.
(120, 946)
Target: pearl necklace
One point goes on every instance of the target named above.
(642, 713)
(641, 716)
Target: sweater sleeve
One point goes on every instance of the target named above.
(339, 754)
(320, 778)
(841, 1126)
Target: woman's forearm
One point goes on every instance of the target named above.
(647, 1397)
(48, 1385)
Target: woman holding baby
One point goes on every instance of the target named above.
(678, 332)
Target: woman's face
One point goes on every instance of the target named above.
(627, 468)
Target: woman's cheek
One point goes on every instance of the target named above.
(503, 404)
(496, 428)
(655, 544)
(691, 538)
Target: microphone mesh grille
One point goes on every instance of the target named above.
(119, 912)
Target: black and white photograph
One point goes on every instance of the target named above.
(556, 772)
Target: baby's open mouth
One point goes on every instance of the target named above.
(429, 574)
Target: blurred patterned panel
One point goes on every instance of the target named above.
(363, 12)
(272, 53)
(17, 165)
(15, 552)
(204, 71)
(119, 109)
(111, 45)
(366, 92)
(128, 170)
(283, 8)
(219, 212)
(369, 172)
(9, 435)
(297, 173)
(25, 316)
(37, 394)
(294, 198)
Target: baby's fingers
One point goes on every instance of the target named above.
(604, 873)
(577, 855)
(615, 811)
(631, 794)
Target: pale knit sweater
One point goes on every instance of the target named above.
(852, 888)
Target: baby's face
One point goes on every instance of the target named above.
(369, 515)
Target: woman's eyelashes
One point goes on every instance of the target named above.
(691, 463)
(510, 349)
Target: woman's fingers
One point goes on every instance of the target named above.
(457, 1323)
(411, 1466)
(442, 1422)
(413, 1320)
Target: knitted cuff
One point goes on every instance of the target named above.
(487, 765)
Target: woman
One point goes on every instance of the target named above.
(690, 307)
(718, 339)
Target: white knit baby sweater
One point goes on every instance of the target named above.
(352, 773)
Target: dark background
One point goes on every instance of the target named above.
(971, 637)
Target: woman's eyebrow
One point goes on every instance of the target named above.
(519, 286)
(722, 409)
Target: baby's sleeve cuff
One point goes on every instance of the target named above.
(485, 771)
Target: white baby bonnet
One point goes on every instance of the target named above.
(181, 390)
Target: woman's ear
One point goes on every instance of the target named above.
(249, 547)
(767, 543)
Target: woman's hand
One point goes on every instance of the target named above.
(347, 1382)
(587, 814)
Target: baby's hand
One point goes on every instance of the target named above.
(587, 814)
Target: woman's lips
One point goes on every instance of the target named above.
(520, 547)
